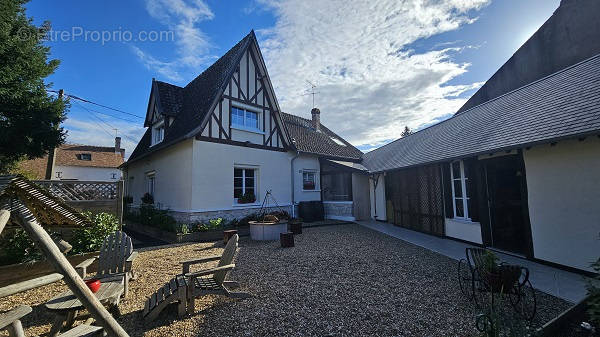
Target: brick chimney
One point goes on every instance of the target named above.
(117, 144)
(316, 118)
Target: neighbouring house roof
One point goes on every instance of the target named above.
(190, 104)
(70, 154)
(563, 105)
(100, 156)
(47, 209)
(324, 142)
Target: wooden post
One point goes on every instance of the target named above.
(120, 203)
(4, 216)
(287, 239)
(71, 278)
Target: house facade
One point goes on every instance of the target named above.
(518, 167)
(78, 162)
(222, 147)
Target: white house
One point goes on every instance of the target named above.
(217, 146)
(79, 162)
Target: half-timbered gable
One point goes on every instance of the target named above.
(247, 111)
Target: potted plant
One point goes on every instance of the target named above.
(148, 199)
(295, 225)
(498, 277)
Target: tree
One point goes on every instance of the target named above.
(406, 132)
(29, 117)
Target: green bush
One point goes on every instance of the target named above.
(90, 239)
(18, 248)
(213, 224)
(148, 215)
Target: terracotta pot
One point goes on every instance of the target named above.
(93, 284)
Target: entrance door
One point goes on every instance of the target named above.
(509, 222)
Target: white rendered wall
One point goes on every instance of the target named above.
(563, 185)
(86, 173)
(212, 175)
(172, 169)
(463, 229)
(309, 163)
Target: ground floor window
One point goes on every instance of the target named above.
(460, 181)
(151, 179)
(336, 186)
(244, 185)
(309, 180)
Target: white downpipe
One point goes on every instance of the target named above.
(292, 180)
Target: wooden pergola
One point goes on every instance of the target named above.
(25, 204)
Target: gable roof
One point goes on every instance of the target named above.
(563, 105)
(308, 140)
(190, 104)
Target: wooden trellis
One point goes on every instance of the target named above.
(415, 195)
(81, 190)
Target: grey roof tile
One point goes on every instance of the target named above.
(562, 105)
(307, 139)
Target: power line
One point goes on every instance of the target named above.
(103, 121)
(98, 104)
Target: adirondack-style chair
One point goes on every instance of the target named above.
(116, 257)
(11, 321)
(185, 287)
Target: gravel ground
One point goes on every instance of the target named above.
(338, 280)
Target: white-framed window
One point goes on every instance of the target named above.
(460, 199)
(151, 183)
(309, 180)
(244, 184)
(158, 133)
(244, 119)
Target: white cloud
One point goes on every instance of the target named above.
(94, 132)
(371, 84)
(192, 45)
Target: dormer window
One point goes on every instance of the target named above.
(84, 156)
(158, 132)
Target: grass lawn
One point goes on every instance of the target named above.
(337, 281)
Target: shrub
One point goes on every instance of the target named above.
(147, 199)
(18, 248)
(149, 215)
(212, 224)
(90, 239)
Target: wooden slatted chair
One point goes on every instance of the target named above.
(184, 288)
(11, 321)
(116, 257)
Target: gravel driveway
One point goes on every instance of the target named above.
(337, 281)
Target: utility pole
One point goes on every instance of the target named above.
(51, 152)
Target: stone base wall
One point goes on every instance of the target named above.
(338, 210)
(226, 215)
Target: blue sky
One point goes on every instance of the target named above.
(379, 65)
